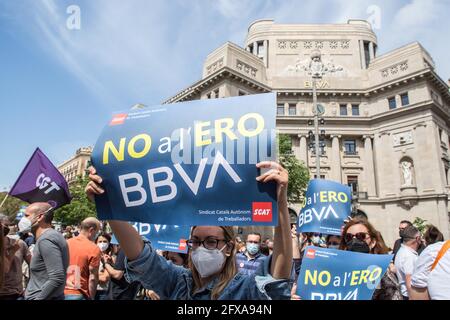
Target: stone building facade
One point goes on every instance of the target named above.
(76, 165)
(386, 116)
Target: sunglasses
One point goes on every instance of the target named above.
(360, 236)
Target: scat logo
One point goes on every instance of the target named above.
(262, 211)
(182, 244)
(118, 119)
(311, 253)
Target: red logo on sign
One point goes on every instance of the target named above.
(182, 245)
(262, 211)
(118, 119)
(311, 253)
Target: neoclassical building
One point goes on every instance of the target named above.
(386, 120)
(76, 165)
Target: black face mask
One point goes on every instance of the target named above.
(358, 246)
(5, 231)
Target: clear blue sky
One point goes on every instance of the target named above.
(58, 87)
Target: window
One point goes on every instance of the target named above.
(292, 109)
(208, 96)
(343, 109)
(350, 146)
(242, 93)
(322, 176)
(352, 182)
(405, 99)
(392, 103)
(280, 110)
(216, 93)
(367, 53)
(355, 109)
(260, 49)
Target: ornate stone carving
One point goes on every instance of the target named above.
(407, 172)
(395, 69)
(302, 68)
(214, 66)
(312, 44)
(345, 44)
(245, 68)
(402, 138)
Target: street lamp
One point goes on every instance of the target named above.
(316, 71)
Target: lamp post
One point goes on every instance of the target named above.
(316, 71)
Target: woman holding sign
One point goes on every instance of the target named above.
(212, 272)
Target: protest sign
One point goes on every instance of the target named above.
(189, 163)
(326, 205)
(163, 237)
(330, 274)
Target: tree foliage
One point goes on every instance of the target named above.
(79, 208)
(11, 206)
(298, 173)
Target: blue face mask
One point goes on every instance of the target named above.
(252, 248)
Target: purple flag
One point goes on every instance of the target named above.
(40, 181)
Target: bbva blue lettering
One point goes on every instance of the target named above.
(306, 216)
(219, 160)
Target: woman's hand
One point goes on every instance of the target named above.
(276, 173)
(152, 295)
(93, 187)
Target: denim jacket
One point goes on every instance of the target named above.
(176, 283)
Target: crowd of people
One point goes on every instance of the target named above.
(80, 262)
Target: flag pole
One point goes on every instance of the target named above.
(6, 197)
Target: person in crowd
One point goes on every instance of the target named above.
(240, 247)
(82, 275)
(360, 236)
(119, 288)
(248, 261)
(212, 272)
(103, 241)
(270, 246)
(50, 260)
(16, 254)
(333, 241)
(398, 242)
(431, 277)
(177, 258)
(264, 249)
(67, 234)
(28, 238)
(406, 258)
(432, 235)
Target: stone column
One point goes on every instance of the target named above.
(336, 169)
(255, 48)
(371, 51)
(266, 52)
(369, 167)
(303, 149)
(363, 56)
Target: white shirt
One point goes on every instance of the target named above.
(438, 280)
(405, 261)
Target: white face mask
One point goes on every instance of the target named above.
(103, 246)
(207, 262)
(25, 225)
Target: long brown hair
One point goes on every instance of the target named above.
(379, 248)
(229, 270)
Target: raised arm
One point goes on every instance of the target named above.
(129, 239)
(282, 244)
